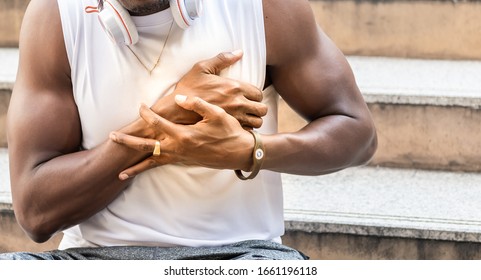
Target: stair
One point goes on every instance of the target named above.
(440, 29)
(5, 195)
(12, 237)
(11, 15)
(427, 112)
(385, 213)
(417, 64)
(8, 70)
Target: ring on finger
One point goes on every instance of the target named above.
(156, 151)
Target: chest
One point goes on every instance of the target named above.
(110, 82)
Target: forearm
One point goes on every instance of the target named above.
(68, 189)
(323, 146)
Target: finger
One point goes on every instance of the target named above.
(221, 61)
(250, 121)
(256, 109)
(133, 142)
(198, 105)
(155, 120)
(251, 92)
(140, 167)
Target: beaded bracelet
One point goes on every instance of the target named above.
(257, 158)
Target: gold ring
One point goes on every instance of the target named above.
(156, 151)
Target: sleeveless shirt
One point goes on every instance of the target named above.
(172, 205)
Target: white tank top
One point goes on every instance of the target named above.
(171, 205)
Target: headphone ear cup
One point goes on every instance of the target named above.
(186, 11)
(116, 21)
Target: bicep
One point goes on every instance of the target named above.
(41, 125)
(307, 69)
(43, 120)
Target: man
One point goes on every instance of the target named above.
(123, 186)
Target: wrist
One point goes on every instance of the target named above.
(257, 155)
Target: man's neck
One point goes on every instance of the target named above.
(149, 12)
(144, 8)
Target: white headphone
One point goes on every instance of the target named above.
(116, 21)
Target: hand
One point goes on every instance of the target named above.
(217, 141)
(240, 100)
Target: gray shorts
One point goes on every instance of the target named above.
(246, 250)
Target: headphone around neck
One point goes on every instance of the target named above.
(116, 21)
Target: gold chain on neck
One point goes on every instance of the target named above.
(160, 55)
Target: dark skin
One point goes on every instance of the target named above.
(56, 186)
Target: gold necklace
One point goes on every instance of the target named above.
(160, 55)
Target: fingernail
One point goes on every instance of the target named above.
(180, 98)
(237, 52)
(123, 176)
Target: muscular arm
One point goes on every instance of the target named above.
(54, 184)
(314, 78)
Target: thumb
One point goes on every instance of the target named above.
(200, 106)
(221, 61)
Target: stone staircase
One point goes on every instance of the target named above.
(418, 198)
(417, 64)
(426, 29)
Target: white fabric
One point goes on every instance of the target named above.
(171, 205)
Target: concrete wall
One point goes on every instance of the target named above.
(426, 137)
(329, 246)
(12, 237)
(421, 29)
(11, 15)
(4, 101)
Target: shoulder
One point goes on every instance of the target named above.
(40, 19)
(290, 27)
(41, 33)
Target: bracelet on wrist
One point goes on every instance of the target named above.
(258, 156)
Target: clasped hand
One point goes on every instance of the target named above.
(239, 99)
(206, 124)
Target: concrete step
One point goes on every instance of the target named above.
(5, 195)
(8, 71)
(427, 112)
(385, 213)
(392, 202)
(12, 237)
(357, 213)
(439, 29)
(11, 16)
